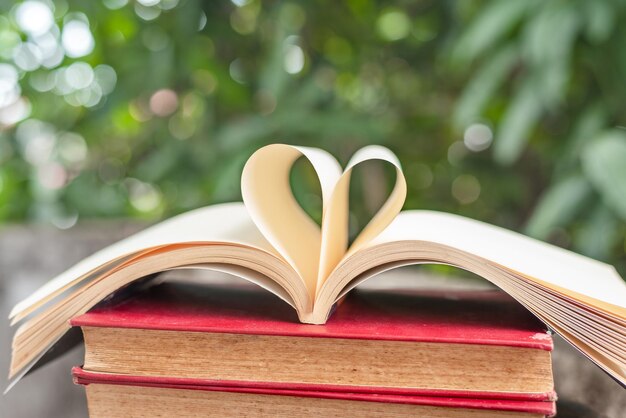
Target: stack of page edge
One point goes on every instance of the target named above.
(186, 350)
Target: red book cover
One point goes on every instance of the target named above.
(465, 317)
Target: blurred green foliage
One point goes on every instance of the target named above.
(511, 112)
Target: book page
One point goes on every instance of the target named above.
(267, 195)
(247, 274)
(524, 255)
(312, 251)
(225, 223)
(335, 225)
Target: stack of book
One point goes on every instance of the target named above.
(231, 351)
(214, 350)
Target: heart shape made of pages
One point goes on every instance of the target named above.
(312, 250)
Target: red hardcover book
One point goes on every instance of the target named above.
(113, 396)
(471, 349)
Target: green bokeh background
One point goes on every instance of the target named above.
(511, 112)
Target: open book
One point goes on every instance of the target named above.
(271, 241)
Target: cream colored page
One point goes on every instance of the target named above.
(267, 195)
(219, 223)
(394, 203)
(247, 274)
(335, 221)
(514, 251)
